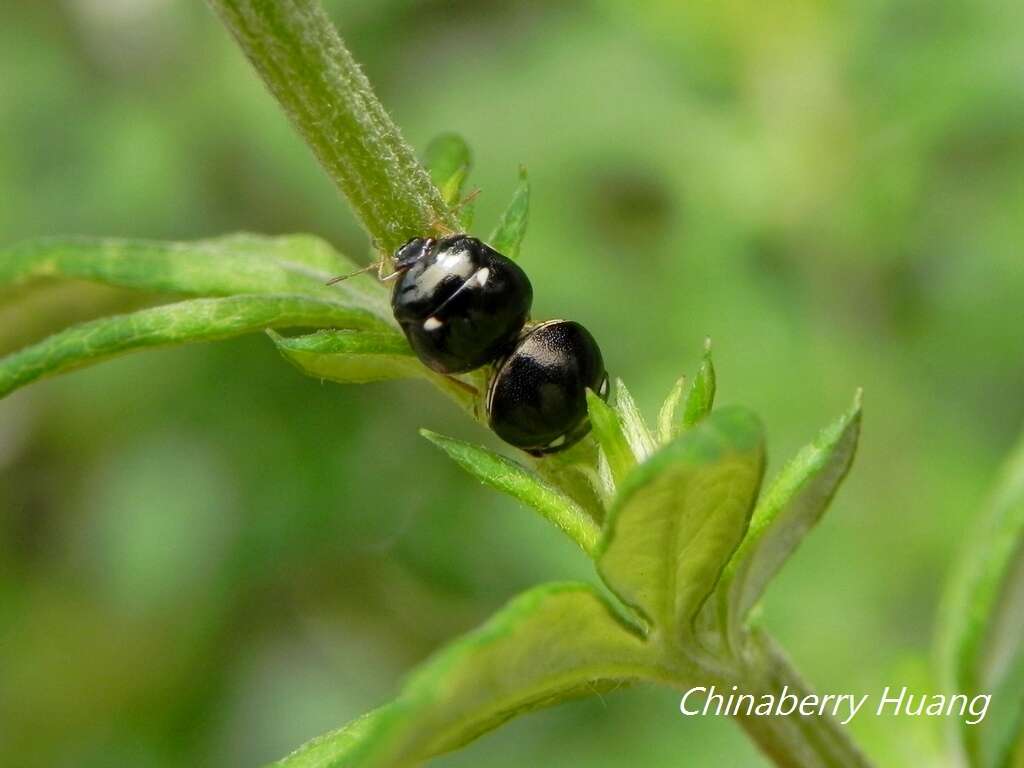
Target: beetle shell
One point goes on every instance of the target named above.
(460, 303)
(537, 399)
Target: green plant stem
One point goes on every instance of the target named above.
(297, 51)
(794, 741)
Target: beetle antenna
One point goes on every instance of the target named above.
(473, 195)
(376, 265)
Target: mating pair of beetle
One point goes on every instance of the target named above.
(463, 305)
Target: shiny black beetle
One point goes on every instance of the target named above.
(460, 303)
(537, 399)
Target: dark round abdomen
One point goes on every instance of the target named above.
(537, 400)
(462, 306)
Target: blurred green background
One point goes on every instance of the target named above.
(206, 558)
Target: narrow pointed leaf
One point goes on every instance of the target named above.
(668, 419)
(351, 357)
(449, 161)
(350, 745)
(509, 477)
(607, 428)
(638, 435)
(790, 507)
(310, 250)
(239, 263)
(552, 643)
(679, 517)
(701, 395)
(508, 235)
(983, 632)
(180, 323)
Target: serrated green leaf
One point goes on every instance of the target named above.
(235, 264)
(791, 506)
(607, 428)
(507, 237)
(668, 422)
(679, 517)
(701, 395)
(983, 632)
(509, 477)
(351, 357)
(449, 161)
(554, 642)
(638, 435)
(180, 323)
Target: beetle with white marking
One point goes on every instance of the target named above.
(463, 305)
(460, 303)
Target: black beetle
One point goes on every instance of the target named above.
(460, 303)
(537, 398)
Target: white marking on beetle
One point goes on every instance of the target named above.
(604, 387)
(455, 261)
(560, 440)
(481, 276)
(431, 324)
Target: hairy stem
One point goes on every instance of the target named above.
(793, 741)
(297, 51)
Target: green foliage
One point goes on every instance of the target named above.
(665, 515)
(678, 518)
(983, 635)
(791, 506)
(701, 394)
(232, 264)
(669, 422)
(276, 282)
(449, 160)
(608, 431)
(181, 323)
(508, 234)
(551, 643)
(638, 435)
(509, 477)
(351, 357)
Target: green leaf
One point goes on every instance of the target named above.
(701, 395)
(180, 323)
(520, 483)
(347, 745)
(359, 357)
(638, 435)
(575, 472)
(786, 512)
(678, 518)
(983, 632)
(449, 161)
(239, 263)
(313, 251)
(668, 421)
(351, 357)
(551, 643)
(508, 235)
(608, 430)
